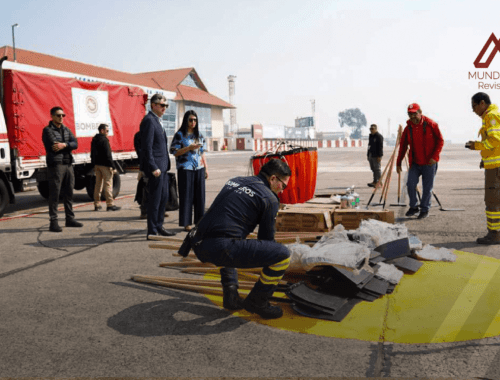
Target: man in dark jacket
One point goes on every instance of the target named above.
(423, 137)
(155, 163)
(102, 159)
(59, 141)
(220, 237)
(375, 153)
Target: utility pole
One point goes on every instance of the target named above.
(232, 112)
(313, 109)
(14, 41)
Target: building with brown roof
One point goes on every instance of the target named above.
(191, 93)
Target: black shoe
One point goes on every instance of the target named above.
(97, 208)
(423, 215)
(412, 211)
(262, 307)
(371, 184)
(113, 208)
(163, 232)
(54, 226)
(231, 298)
(73, 223)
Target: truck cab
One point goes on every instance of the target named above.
(6, 190)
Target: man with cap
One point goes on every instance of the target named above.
(423, 137)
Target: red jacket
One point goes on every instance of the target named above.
(422, 147)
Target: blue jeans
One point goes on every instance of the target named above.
(428, 172)
(246, 253)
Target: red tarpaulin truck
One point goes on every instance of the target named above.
(27, 94)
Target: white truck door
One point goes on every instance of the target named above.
(4, 145)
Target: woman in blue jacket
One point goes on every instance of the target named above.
(188, 146)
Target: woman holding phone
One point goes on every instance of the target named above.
(188, 147)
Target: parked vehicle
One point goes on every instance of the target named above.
(27, 94)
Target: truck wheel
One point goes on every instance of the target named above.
(4, 197)
(117, 183)
(91, 186)
(43, 189)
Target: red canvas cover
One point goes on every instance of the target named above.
(303, 163)
(29, 98)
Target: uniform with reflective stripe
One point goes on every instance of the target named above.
(242, 204)
(490, 138)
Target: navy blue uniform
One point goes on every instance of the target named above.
(154, 155)
(242, 204)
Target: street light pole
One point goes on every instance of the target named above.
(14, 41)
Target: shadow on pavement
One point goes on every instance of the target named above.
(181, 315)
(50, 239)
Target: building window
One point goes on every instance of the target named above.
(204, 117)
(190, 81)
(168, 118)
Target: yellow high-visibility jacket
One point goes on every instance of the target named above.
(490, 138)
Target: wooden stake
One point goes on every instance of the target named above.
(193, 263)
(166, 238)
(209, 283)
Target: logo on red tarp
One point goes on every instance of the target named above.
(92, 104)
(495, 50)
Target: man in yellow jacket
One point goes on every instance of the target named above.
(490, 160)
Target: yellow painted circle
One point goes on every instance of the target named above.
(442, 302)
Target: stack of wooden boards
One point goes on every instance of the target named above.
(322, 214)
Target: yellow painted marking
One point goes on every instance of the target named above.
(466, 302)
(442, 302)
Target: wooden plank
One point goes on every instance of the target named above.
(173, 247)
(351, 219)
(166, 238)
(193, 263)
(304, 220)
(212, 283)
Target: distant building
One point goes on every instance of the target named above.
(243, 132)
(334, 135)
(304, 122)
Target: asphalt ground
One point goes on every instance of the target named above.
(69, 309)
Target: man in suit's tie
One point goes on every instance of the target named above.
(155, 163)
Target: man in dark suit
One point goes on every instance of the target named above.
(155, 163)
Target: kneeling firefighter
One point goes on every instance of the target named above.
(220, 237)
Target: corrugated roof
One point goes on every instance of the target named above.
(192, 94)
(166, 79)
(170, 79)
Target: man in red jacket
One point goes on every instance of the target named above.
(424, 138)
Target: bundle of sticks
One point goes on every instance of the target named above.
(385, 179)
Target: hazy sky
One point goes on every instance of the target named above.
(376, 55)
